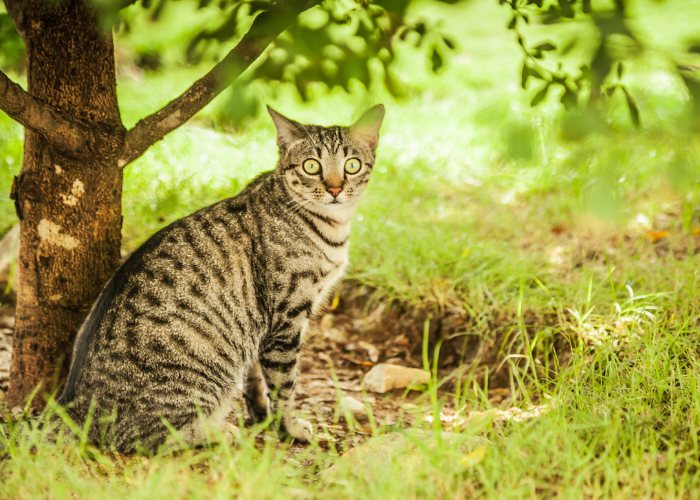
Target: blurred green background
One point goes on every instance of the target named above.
(475, 190)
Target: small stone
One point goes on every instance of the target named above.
(354, 407)
(326, 321)
(384, 377)
(7, 322)
(336, 335)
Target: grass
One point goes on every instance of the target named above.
(480, 203)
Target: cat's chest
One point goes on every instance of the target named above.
(327, 285)
(312, 260)
(314, 277)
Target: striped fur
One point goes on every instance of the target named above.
(220, 300)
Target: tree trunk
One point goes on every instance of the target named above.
(69, 208)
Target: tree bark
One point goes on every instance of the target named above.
(69, 207)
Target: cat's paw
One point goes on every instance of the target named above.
(298, 428)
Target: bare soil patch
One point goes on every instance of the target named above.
(356, 333)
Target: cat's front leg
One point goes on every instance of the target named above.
(278, 360)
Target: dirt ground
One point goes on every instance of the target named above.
(341, 347)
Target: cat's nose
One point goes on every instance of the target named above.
(335, 191)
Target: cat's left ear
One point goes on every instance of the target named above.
(367, 127)
(288, 130)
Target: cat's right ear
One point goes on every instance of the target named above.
(288, 130)
(367, 127)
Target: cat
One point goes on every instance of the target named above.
(219, 301)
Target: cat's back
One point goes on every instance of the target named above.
(170, 301)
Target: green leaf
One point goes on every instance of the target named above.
(620, 69)
(546, 46)
(693, 87)
(569, 99)
(393, 84)
(568, 46)
(609, 91)
(566, 8)
(600, 65)
(449, 42)
(539, 97)
(694, 48)
(634, 110)
(157, 10)
(436, 60)
(526, 73)
(513, 22)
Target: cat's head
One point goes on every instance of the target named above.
(327, 167)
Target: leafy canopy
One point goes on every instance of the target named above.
(574, 50)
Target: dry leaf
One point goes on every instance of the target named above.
(401, 340)
(372, 351)
(356, 361)
(558, 229)
(655, 236)
(335, 301)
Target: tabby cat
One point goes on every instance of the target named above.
(219, 301)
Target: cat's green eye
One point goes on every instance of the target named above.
(311, 166)
(353, 165)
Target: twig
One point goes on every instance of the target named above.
(265, 28)
(42, 118)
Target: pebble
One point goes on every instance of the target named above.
(353, 406)
(384, 377)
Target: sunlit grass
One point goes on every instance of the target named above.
(622, 421)
(479, 203)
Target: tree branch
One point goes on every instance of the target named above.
(265, 28)
(42, 118)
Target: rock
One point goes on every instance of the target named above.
(354, 407)
(383, 377)
(326, 321)
(336, 335)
